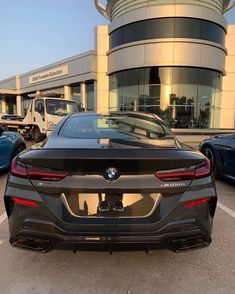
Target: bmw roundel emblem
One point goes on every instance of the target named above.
(111, 174)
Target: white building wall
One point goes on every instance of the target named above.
(228, 94)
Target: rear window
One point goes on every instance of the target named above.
(111, 127)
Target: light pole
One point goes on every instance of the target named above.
(230, 6)
(101, 8)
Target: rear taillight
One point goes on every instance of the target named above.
(45, 175)
(183, 174)
(203, 170)
(176, 175)
(19, 169)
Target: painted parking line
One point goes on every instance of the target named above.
(226, 209)
(3, 217)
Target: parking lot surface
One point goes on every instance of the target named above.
(209, 270)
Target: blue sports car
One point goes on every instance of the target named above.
(220, 150)
(11, 144)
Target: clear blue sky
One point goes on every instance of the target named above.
(35, 33)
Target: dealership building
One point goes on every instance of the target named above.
(175, 58)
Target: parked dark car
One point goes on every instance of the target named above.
(12, 117)
(117, 181)
(220, 150)
(11, 144)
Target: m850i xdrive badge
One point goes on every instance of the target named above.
(168, 185)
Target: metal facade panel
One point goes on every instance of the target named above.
(81, 67)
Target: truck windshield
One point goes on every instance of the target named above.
(60, 107)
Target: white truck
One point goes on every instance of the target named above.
(42, 116)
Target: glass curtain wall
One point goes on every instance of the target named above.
(90, 96)
(76, 93)
(183, 97)
(168, 27)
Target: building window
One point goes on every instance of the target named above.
(183, 97)
(90, 96)
(76, 93)
(168, 27)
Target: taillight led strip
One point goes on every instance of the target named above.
(19, 169)
(200, 171)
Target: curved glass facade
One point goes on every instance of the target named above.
(183, 97)
(168, 27)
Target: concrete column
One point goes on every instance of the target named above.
(18, 97)
(4, 105)
(67, 92)
(18, 82)
(19, 105)
(113, 101)
(83, 95)
(102, 84)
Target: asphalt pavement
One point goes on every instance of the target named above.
(209, 270)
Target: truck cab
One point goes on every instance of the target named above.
(42, 116)
(44, 113)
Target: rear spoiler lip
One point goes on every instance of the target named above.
(147, 159)
(92, 153)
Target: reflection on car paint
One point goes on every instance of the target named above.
(134, 204)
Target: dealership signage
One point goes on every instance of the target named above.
(49, 74)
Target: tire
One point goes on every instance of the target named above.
(209, 153)
(37, 136)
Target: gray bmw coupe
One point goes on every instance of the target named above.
(106, 182)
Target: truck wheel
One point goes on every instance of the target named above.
(37, 136)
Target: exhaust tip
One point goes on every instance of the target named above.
(190, 243)
(31, 243)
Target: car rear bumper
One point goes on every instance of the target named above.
(50, 225)
(44, 236)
